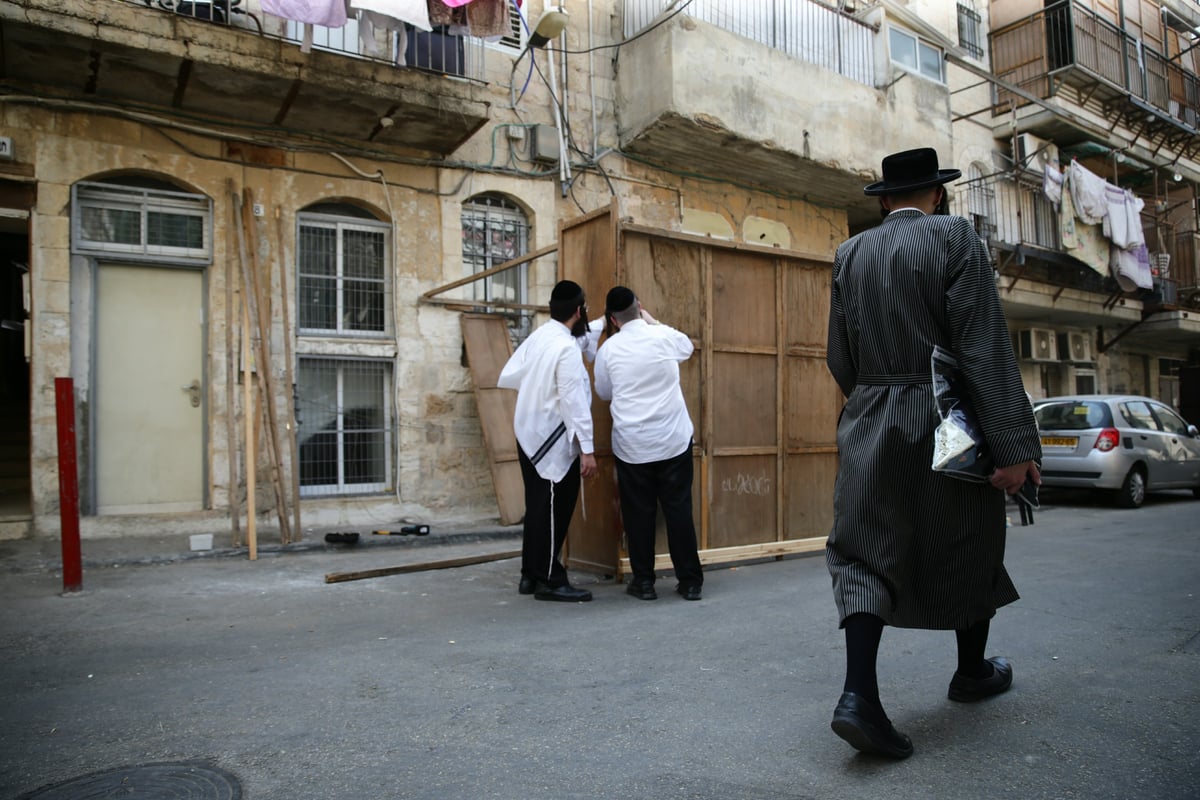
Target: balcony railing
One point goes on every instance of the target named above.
(436, 51)
(1067, 42)
(1021, 228)
(808, 30)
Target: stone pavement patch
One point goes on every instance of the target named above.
(188, 779)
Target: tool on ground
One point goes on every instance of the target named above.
(407, 530)
(341, 538)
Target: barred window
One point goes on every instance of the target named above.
(969, 37)
(342, 276)
(495, 230)
(141, 222)
(345, 439)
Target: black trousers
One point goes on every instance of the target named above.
(548, 510)
(643, 487)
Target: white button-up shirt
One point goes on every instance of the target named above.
(553, 419)
(638, 370)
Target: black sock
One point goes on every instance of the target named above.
(863, 632)
(972, 642)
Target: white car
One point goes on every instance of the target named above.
(1126, 444)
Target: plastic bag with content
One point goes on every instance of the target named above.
(959, 449)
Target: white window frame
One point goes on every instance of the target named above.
(921, 46)
(341, 224)
(143, 202)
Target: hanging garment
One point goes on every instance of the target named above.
(414, 12)
(442, 14)
(1066, 218)
(1052, 184)
(488, 19)
(1089, 193)
(1124, 268)
(327, 13)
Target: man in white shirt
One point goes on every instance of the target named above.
(553, 423)
(638, 370)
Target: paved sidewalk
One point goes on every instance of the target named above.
(41, 554)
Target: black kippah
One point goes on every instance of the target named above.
(566, 292)
(619, 298)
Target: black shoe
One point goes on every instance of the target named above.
(863, 724)
(971, 690)
(689, 591)
(642, 590)
(527, 585)
(565, 593)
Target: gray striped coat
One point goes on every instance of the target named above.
(912, 546)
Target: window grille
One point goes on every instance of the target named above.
(969, 37)
(915, 55)
(495, 230)
(343, 408)
(140, 223)
(343, 277)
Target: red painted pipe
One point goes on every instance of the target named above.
(68, 484)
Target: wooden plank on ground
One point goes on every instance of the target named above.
(422, 566)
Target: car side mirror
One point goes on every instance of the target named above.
(1193, 431)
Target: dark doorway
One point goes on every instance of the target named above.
(14, 377)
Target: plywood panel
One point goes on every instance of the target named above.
(813, 404)
(808, 491)
(594, 542)
(588, 255)
(488, 347)
(743, 299)
(806, 286)
(743, 505)
(744, 400)
(666, 277)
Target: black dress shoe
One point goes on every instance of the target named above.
(527, 585)
(565, 593)
(642, 590)
(863, 724)
(689, 591)
(971, 690)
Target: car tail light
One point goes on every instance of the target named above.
(1108, 439)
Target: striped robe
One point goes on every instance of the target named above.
(912, 546)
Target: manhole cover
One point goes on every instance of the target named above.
(191, 780)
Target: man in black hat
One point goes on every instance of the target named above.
(911, 547)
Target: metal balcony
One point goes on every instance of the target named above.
(1069, 52)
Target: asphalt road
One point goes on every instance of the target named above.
(447, 684)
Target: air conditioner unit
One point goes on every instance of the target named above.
(1032, 152)
(1075, 346)
(1039, 344)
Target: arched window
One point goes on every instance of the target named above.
(495, 230)
(343, 276)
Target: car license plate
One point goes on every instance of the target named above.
(1060, 441)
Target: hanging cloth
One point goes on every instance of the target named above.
(488, 19)
(1088, 192)
(327, 13)
(414, 12)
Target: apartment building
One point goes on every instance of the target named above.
(234, 232)
(1106, 92)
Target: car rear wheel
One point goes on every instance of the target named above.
(1133, 491)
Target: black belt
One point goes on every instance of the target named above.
(893, 380)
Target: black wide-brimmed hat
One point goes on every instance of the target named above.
(909, 170)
